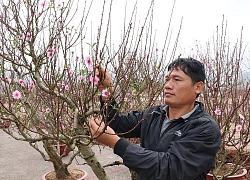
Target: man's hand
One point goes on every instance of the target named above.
(106, 137)
(104, 78)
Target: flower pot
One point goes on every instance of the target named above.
(232, 177)
(61, 150)
(79, 172)
(4, 124)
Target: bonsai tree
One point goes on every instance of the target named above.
(49, 83)
(226, 98)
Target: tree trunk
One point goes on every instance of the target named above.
(60, 168)
(87, 153)
(90, 158)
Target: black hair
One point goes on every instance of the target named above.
(191, 67)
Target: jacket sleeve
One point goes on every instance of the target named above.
(125, 125)
(190, 157)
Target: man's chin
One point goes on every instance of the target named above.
(168, 102)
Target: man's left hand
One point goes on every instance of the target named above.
(106, 137)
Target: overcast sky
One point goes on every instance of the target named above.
(200, 19)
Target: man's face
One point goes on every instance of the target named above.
(179, 89)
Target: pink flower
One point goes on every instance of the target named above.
(66, 87)
(8, 79)
(80, 78)
(105, 93)
(77, 59)
(43, 4)
(217, 111)
(21, 82)
(28, 36)
(16, 94)
(238, 127)
(47, 110)
(71, 72)
(31, 85)
(125, 99)
(241, 117)
(88, 61)
(94, 80)
(50, 53)
(39, 14)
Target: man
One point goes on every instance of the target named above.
(179, 140)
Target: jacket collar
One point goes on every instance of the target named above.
(197, 108)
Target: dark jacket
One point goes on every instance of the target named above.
(186, 150)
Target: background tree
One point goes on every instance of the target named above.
(226, 98)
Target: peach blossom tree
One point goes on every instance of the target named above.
(226, 98)
(48, 74)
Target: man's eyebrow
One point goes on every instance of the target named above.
(174, 76)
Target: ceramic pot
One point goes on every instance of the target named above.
(233, 177)
(81, 178)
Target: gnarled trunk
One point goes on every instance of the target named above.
(59, 167)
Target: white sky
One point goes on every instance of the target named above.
(200, 19)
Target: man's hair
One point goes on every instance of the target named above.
(191, 67)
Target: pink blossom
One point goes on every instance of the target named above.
(21, 82)
(238, 127)
(43, 4)
(217, 111)
(50, 53)
(66, 87)
(77, 59)
(47, 110)
(241, 117)
(39, 14)
(80, 78)
(8, 79)
(88, 61)
(94, 80)
(71, 72)
(125, 99)
(16, 94)
(105, 93)
(28, 36)
(31, 85)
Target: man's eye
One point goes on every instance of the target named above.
(176, 79)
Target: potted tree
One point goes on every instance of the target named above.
(48, 82)
(226, 97)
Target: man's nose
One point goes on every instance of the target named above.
(168, 84)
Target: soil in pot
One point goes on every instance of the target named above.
(76, 174)
(227, 168)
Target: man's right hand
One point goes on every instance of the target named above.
(104, 78)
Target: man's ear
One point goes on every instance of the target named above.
(199, 86)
